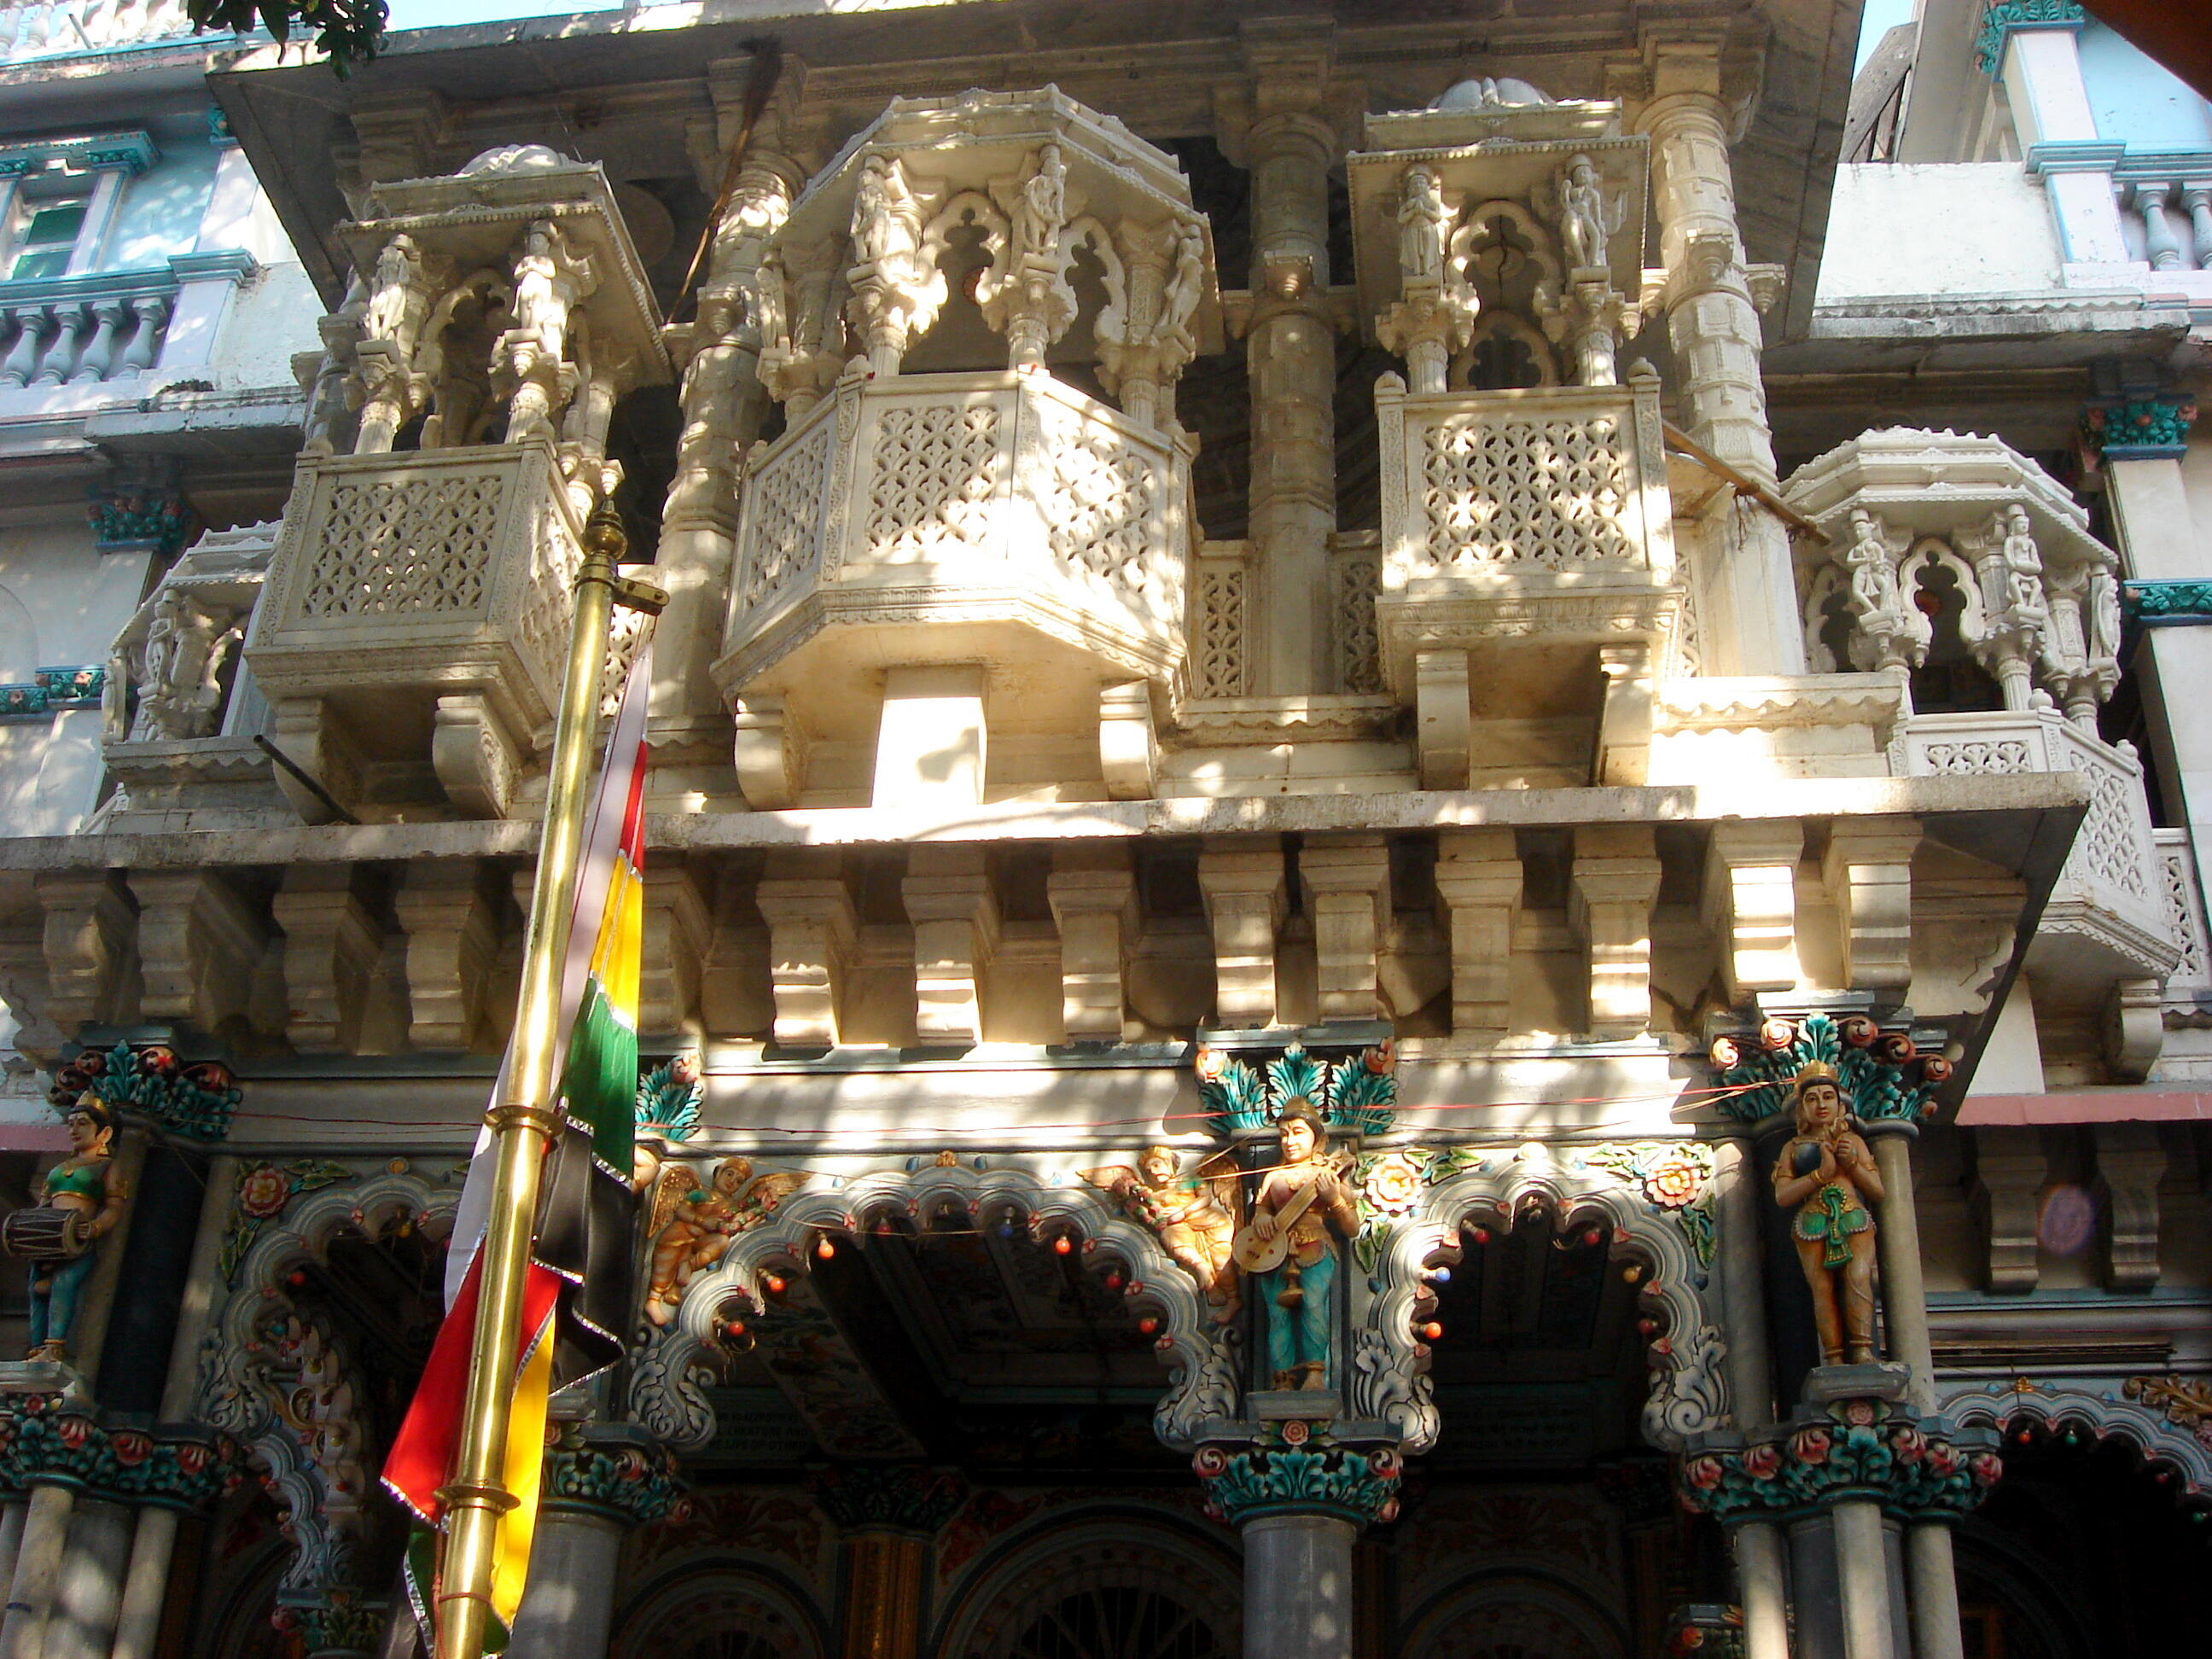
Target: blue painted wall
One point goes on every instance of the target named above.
(2135, 101)
(161, 211)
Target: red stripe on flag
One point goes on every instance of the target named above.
(423, 1451)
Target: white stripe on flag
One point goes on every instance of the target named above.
(602, 837)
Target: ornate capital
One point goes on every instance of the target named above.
(45, 1442)
(2004, 16)
(195, 1100)
(618, 1474)
(1705, 1630)
(1356, 1091)
(137, 520)
(1298, 1474)
(336, 1619)
(887, 1496)
(1882, 1074)
(1916, 1468)
(2141, 428)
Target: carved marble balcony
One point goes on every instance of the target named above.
(951, 555)
(410, 635)
(1000, 519)
(1526, 545)
(2107, 939)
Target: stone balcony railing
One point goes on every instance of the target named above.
(997, 516)
(2108, 924)
(410, 636)
(1524, 532)
(85, 330)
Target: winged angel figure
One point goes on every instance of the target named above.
(693, 1227)
(1196, 1216)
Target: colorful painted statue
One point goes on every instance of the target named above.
(692, 1227)
(80, 1202)
(1828, 1177)
(1305, 1207)
(1193, 1216)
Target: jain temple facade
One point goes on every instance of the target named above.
(1421, 874)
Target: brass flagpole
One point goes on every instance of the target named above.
(524, 1122)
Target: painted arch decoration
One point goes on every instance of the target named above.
(1654, 1198)
(672, 1374)
(2127, 1411)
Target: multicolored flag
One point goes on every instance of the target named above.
(578, 1297)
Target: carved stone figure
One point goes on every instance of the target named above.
(1305, 1207)
(2023, 565)
(1827, 1174)
(1582, 215)
(81, 1200)
(2101, 609)
(1874, 578)
(692, 1227)
(399, 294)
(1186, 284)
(172, 652)
(1194, 1215)
(886, 218)
(1422, 223)
(1040, 210)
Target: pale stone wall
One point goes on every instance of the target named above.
(1983, 228)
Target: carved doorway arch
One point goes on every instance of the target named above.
(1105, 1586)
(1513, 1616)
(713, 1611)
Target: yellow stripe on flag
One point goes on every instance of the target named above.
(618, 956)
(525, 1464)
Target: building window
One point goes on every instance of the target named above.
(46, 235)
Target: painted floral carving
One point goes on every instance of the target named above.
(1862, 1448)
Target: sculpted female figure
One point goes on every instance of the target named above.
(1301, 1203)
(1827, 1174)
(80, 1202)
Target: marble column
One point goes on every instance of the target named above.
(146, 1587)
(1761, 1582)
(38, 1567)
(87, 1590)
(1298, 1587)
(600, 1481)
(1745, 580)
(1930, 1573)
(1299, 1518)
(1290, 354)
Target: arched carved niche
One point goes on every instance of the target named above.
(1514, 1614)
(669, 1376)
(1654, 1198)
(2161, 1441)
(716, 1610)
(263, 1352)
(1167, 1588)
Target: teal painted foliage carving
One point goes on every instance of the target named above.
(1885, 1076)
(1356, 1095)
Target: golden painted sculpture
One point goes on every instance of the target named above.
(1304, 1206)
(1828, 1177)
(692, 1226)
(1192, 1215)
(80, 1202)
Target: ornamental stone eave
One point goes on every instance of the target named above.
(475, 219)
(1929, 482)
(987, 142)
(1502, 168)
(2016, 821)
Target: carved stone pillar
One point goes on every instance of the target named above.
(1299, 1501)
(890, 1516)
(1094, 902)
(1616, 878)
(812, 929)
(723, 402)
(1712, 321)
(1290, 349)
(1246, 900)
(1347, 878)
(955, 914)
(1479, 877)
